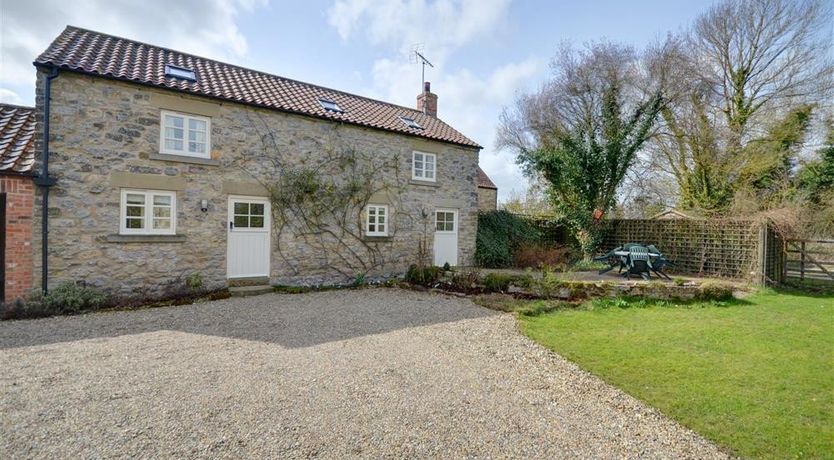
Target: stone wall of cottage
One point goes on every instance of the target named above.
(105, 134)
(487, 199)
(19, 193)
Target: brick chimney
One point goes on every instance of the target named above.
(427, 101)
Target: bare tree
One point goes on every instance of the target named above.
(742, 69)
(762, 55)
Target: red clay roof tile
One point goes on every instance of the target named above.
(104, 55)
(17, 139)
(484, 181)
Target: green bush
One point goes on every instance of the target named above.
(712, 290)
(500, 234)
(194, 281)
(66, 298)
(497, 282)
(588, 266)
(423, 276)
(465, 280)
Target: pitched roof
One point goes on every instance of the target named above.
(17, 139)
(95, 53)
(484, 181)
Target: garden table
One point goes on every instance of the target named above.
(636, 259)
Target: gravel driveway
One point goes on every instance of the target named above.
(367, 373)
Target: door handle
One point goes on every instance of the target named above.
(231, 225)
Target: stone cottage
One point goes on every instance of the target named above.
(17, 155)
(159, 166)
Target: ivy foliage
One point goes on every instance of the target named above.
(584, 166)
(500, 234)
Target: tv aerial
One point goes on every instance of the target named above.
(417, 57)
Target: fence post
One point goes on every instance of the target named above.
(802, 261)
(762, 262)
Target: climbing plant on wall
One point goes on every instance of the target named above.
(318, 200)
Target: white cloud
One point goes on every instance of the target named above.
(440, 26)
(203, 27)
(10, 97)
(470, 101)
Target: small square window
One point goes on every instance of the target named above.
(248, 215)
(376, 220)
(148, 212)
(183, 134)
(330, 106)
(180, 72)
(444, 221)
(410, 123)
(423, 166)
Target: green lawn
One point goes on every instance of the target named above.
(755, 376)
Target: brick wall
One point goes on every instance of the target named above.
(19, 192)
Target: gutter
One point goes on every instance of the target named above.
(44, 181)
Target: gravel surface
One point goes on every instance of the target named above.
(365, 373)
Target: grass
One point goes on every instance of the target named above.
(755, 376)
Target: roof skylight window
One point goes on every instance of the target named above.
(180, 72)
(411, 123)
(330, 106)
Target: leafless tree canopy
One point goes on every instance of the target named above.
(758, 56)
(744, 68)
(572, 99)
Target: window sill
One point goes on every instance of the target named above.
(184, 159)
(424, 183)
(144, 238)
(377, 239)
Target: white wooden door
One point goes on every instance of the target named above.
(445, 237)
(248, 238)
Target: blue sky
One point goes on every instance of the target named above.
(485, 51)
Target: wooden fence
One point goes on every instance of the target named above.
(727, 248)
(810, 260)
(702, 247)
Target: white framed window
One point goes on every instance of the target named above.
(148, 212)
(182, 134)
(376, 220)
(444, 221)
(424, 166)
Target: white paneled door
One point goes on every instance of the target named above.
(445, 237)
(248, 238)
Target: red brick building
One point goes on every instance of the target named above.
(17, 191)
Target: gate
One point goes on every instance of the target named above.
(810, 260)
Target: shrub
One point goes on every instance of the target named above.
(535, 255)
(588, 266)
(194, 281)
(500, 233)
(465, 280)
(424, 276)
(497, 282)
(66, 298)
(712, 290)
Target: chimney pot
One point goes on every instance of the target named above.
(427, 101)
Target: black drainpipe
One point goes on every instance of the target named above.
(44, 181)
